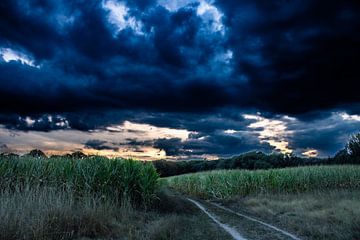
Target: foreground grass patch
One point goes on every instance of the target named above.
(330, 215)
(93, 198)
(224, 184)
(50, 214)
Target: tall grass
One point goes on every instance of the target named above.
(228, 183)
(51, 199)
(118, 178)
(47, 213)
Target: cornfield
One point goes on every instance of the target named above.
(134, 180)
(227, 183)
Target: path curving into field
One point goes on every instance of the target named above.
(232, 231)
(239, 225)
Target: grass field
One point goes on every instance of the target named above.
(49, 214)
(317, 202)
(99, 198)
(100, 176)
(93, 198)
(327, 215)
(224, 184)
(66, 198)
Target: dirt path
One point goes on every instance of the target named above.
(241, 226)
(291, 236)
(233, 232)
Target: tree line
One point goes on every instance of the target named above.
(251, 160)
(259, 160)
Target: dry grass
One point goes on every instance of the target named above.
(330, 215)
(95, 198)
(47, 214)
(317, 202)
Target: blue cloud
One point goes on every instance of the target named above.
(187, 64)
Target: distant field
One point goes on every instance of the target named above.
(224, 184)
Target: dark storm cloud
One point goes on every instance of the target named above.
(99, 145)
(327, 135)
(298, 55)
(203, 122)
(35, 123)
(179, 69)
(200, 122)
(225, 145)
(172, 146)
(218, 143)
(88, 67)
(287, 56)
(29, 25)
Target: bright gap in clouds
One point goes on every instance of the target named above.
(208, 12)
(311, 153)
(11, 55)
(347, 117)
(119, 16)
(274, 132)
(175, 4)
(117, 140)
(147, 131)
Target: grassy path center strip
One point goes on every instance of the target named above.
(256, 220)
(233, 232)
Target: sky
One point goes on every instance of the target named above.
(182, 79)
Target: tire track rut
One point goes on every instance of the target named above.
(241, 226)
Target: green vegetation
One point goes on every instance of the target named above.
(330, 215)
(353, 146)
(80, 197)
(250, 161)
(255, 160)
(312, 202)
(52, 214)
(93, 197)
(223, 184)
(134, 180)
(258, 160)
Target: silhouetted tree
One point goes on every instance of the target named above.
(353, 146)
(36, 153)
(78, 155)
(341, 157)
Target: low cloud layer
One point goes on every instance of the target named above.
(192, 136)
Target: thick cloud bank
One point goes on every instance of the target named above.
(85, 65)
